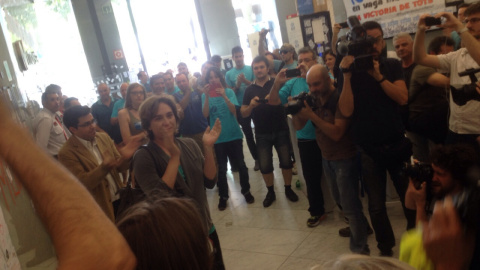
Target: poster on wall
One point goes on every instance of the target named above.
(394, 16)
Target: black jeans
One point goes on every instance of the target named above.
(311, 158)
(234, 151)
(375, 178)
(246, 124)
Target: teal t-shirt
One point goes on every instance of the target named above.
(278, 63)
(119, 104)
(218, 109)
(231, 79)
(175, 90)
(292, 88)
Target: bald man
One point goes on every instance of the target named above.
(338, 151)
(102, 112)
(119, 104)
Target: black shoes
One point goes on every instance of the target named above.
(249, 198)
(345, 232)
(291, 195)
(222, 204)
(386, 253)
(269, 199)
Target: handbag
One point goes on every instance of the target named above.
(129, 196)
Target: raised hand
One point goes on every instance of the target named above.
(210, 136)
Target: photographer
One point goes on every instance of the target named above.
(450, 175)
(464, 120)
(339, 155)
(378, 131)
(283, 88)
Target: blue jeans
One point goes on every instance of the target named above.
(311, 159)
(342, 177)
(375, 178)
(234, 151)
(265, 143)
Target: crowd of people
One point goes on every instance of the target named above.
(175, 135)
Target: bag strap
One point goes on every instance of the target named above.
(131, 180)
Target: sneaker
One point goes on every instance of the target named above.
(249, 198)
(257, 166)
(345, 232)
(269, 199)
(222, 204)
(314, 221)
(386, 253)
(291, 195)
(294, 169)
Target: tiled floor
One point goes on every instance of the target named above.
(277, 237)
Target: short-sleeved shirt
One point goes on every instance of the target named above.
(332, 150)
(103, 114)
(175, 90)
(292, 88)
(278, 63)
(463, 119)
(218, 108)
(376, 119)
(193, 121)
(267, 118)
(49, 131)
(231, 79)
(422, 96)
(119, 104)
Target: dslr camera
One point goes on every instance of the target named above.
(419, 173)
(294, 106)
(467, 92)
(358, 44)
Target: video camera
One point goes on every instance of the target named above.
(294, 106)
(358, 44)
(468, 92)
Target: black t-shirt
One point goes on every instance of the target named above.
(376, 119)
(267, 118)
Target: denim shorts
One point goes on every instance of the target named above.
(265, 143)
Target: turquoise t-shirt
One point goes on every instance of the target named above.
(292, 88)
(231, 79)
(119, 104)
(175, 90)
(218, 109)
(278, 63)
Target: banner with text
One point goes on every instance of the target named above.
(395, 16)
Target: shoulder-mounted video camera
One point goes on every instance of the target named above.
(468, 92)
(358, 44)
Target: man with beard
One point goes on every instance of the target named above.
(271, 129)
(453, 167)
(464, 120)
(339, 155)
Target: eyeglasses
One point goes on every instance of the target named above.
(472, 20)
(87, 124)
(377, 39)
(284, 52)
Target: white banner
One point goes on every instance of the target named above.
(395, 16)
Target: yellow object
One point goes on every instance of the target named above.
(412, 252)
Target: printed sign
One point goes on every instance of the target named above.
(394, 16)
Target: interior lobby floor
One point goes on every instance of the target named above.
(277, 237)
